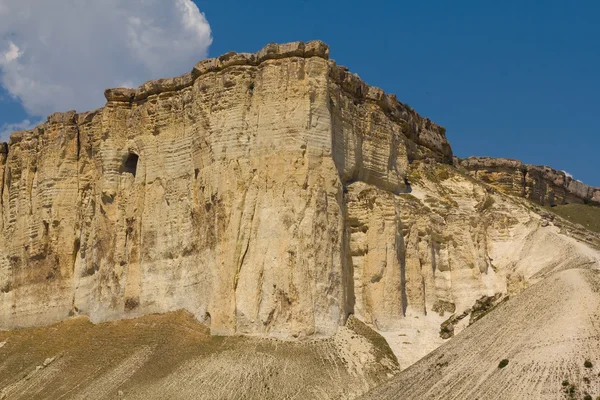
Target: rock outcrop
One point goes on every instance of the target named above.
(220, 192)
(269, 194)
(544, 185)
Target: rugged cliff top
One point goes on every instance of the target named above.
(349, 82)
(339, 74)
(272, 51)
(561, 179)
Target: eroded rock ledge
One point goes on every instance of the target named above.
(420, 130)
(541, 184)
(272, 51)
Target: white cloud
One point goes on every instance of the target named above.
(7, 129)
(9, 55)
(61, 55)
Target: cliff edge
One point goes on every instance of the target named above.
(542, 184)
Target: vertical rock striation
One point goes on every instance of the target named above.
(211, 192)
(269, 194)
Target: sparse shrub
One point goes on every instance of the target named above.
(488, 203)
(587, 397)
(586, 380)
(588, 364)
(251, 87)
(442, 306)
(569, 389)
(442, 130)
(414, 175)
(443, 174)
(503, 363)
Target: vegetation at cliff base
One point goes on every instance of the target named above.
(586, 215)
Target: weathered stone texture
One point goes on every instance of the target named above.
(216, 197)
(375, 137)
(269, 194)
(541, 184)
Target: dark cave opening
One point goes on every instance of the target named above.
(131, 163)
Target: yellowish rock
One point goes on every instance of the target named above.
(269, 194)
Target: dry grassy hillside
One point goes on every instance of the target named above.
(585, 215)
(173, 356)
(549, 335)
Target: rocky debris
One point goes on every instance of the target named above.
(48, 361)
(447, 327)
(441, 307)
(481, 307)
(484, 305)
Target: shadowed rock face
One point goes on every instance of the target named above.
(269, 194)
(543, 185)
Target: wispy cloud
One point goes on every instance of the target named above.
(60, 55)
(7, 129)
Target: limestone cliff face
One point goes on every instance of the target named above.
(543, 185)
(269, 194)
(216, 192)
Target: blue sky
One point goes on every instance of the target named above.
(517, 79)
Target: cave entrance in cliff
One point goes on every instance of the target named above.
(131, 163)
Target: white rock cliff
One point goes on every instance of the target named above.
(269, 194)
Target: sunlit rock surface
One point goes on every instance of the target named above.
(272, 195)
